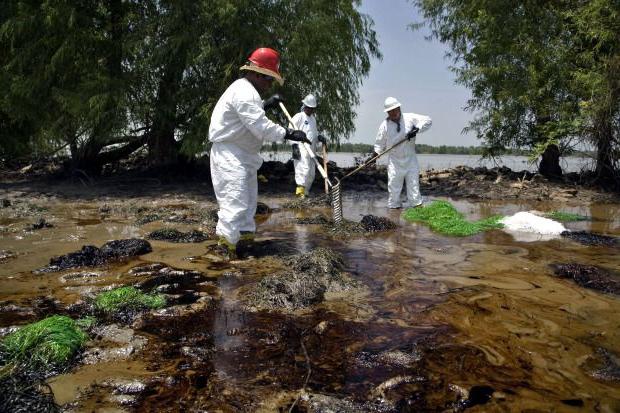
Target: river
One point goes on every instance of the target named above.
(436, 161)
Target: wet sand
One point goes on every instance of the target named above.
(438, 323)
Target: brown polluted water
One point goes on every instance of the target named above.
(426, 323)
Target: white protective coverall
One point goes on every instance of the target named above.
(402, 160)
(305, 168)
(238, 128)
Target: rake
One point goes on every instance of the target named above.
(335, 191)
(336, 206)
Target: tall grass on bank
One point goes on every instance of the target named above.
(442, 217)
(46, 344)
(127, 298)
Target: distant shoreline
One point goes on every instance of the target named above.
(361, 148)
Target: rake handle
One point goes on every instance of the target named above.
(374, 158)
(325, 166)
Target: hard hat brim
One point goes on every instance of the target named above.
(308, 106)
(264, 71)
(394, 106)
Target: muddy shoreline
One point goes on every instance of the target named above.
(499, 183)
(389, 319)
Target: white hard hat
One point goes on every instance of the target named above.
(390, 103)
(309, 101)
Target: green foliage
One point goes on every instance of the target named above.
(565, 216)
(127, 298)
(539, 72)
(86, 323)
(104, 77)
(48, 343)
(442, 217)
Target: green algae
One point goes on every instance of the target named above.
(127, 298)
(442, 217)
(51, 342)
(565, 216)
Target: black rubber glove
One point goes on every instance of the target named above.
(272, 102)
(296, 152)
(371, 157)
(296, 136)
(412, 133)
(322, 139)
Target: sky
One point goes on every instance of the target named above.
(415, 71)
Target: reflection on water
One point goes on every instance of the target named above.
(436, 316)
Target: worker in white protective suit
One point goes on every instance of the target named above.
(402, 164)
(302, 159)
(237, 130)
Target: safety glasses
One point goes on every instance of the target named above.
(267, 77)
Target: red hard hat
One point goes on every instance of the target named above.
(266, 61)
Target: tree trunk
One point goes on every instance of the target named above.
(163, 148)
(605, 170)
(549, 166)
(88, 158)
(604, 127)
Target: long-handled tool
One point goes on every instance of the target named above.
(336, 195)
(336, 205)
(307, 147)
(325, 167)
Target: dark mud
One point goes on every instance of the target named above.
(178, 214)
(503, 183)
(40, 224)
(305, 283)
(368, 224)
(588, 238)
(253, 249)
(412, 334)
(29, 310)
(25, 394)
(341, 365)
(91, 256)
(308, 202)
(372, 223)
(6, 255)
(589, 276)
(179, 287)
(604, 365)
(316, 220)
(174, 235)
(261, 209)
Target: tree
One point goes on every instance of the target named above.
(597, 80)
(110, 76)
(515, 58)
(65, 79)
(314, 37)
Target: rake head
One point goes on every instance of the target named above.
(336, 200)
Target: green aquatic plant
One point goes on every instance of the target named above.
(86, 323)
(442, 217)
(565, 216)
(127, 298)
(51, 342)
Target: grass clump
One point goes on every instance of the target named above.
(49, 343)
(565, 216)
(442, 217)
(128, 298)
